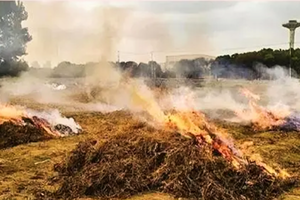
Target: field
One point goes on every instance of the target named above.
(27, 170)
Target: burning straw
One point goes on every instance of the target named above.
(193, 124)
(278, 118)
(188, 157)
(18, 126)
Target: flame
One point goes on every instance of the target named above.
(189, 123)
(259, 161)
(143, 98)
(262, 118)
(194, 124)
(9, 113)
(42, 123)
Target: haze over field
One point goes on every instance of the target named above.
(71, 31)
(222, 128)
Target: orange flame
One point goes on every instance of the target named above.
(9, 113)
(186, 123)
(195, 124)
(192, 124)
(262, 118)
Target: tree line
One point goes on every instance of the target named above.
(14, 38)
(249, 65)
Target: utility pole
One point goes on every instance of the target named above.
(291, 25)
(152, 66)
(118, 56)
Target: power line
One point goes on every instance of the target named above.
(225, 49)
(134, 53)
(235, 48)
(258, 46)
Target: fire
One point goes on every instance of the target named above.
(259, 161)
(20, 116)
(262, 118)
(189, 124)
(193, 124)
(10, 113)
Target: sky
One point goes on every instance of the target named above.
(83, 31)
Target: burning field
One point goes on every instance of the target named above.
(151, 146)
(119, 130)
(274, 118)
(19, 126)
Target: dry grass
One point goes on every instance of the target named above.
(25, 169)
(277, 148)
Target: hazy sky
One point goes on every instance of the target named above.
(85, 31)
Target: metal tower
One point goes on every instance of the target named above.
(291, 25)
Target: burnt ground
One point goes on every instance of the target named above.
(28, 169)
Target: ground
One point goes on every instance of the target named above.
(27, 169)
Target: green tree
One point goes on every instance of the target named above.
(13, 37)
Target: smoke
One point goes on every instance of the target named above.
(65, 31)
(113, 21)
(280, 94)
(284, 89)
(54, 118)
(206, 98)
(95, 35)
(277, 72)
(231, 71)
(81, 35)
(32, 87)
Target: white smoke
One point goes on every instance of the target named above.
(54, 118)
(284, 91)
(281, 93)
(32, 87)
(277, 72)
(186, 98)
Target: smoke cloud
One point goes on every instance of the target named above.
(55, 118)
(65, 31)
(32, 87)
(95, 36)
(279, 93)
